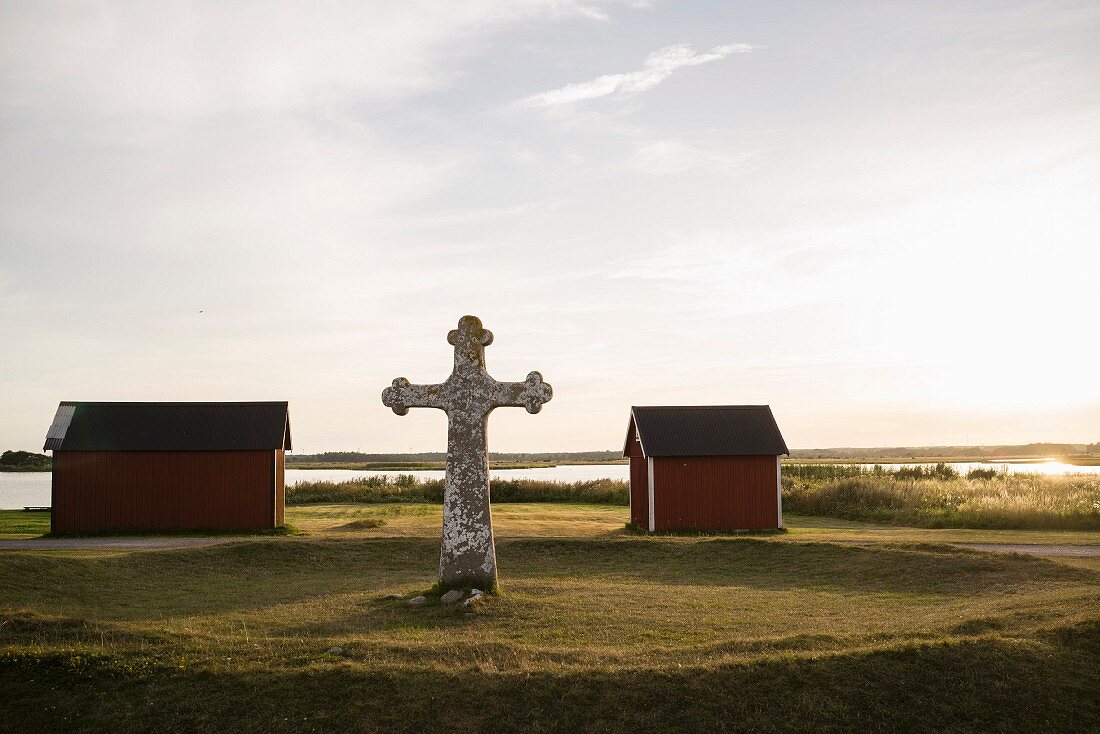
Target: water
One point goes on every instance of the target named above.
(24, 489)
(18, 490)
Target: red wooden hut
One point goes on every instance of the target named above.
(168, 466)
(704, 467)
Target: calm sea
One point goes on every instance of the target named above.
(18, 490)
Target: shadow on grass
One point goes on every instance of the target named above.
(912, 568)
(30, 628)
(180, 582)
(1049, 683)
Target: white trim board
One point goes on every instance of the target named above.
(649, 478)
(779, 490)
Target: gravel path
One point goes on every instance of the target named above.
(70, 543)
(1078, 551)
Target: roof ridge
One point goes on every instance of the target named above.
(701, 407)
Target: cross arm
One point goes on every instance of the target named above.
(402, 395)
(532, 393)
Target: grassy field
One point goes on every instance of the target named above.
(17, 522)
(832, 626)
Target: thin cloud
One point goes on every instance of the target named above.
(658, 66)
(670, 156)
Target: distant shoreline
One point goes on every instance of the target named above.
(293, 462)
(439, 465)
(1071, 460)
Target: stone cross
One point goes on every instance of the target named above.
(468, 556)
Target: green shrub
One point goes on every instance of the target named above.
(24, 461)
(982, 473)
(812, 472)
(939, 471)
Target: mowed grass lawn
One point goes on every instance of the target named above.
(831, 627)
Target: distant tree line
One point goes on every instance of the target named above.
(24, 461)
(1030, 450)
(342, 457)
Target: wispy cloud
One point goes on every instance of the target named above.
(658, 66)
(671, 155)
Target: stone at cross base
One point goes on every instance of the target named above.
(468, 556)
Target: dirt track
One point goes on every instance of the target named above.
(1079, 551)
(71, 543)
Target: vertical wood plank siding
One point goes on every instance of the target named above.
(714, 492)
(164, 490)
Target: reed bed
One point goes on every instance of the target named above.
(817, 472)
(979, 500)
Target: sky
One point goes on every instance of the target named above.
(881, 219)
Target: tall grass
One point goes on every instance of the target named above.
(407, 488)
(1016, 501)
(812, 472)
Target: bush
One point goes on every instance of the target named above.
(811, 472)
(24, 460)
(401, 488)
(939, 471)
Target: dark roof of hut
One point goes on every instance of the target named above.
(81, 426)
(706, 430)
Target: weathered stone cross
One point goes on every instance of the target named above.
(468, 557)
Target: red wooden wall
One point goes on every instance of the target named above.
(164, 490)
(714, 492)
